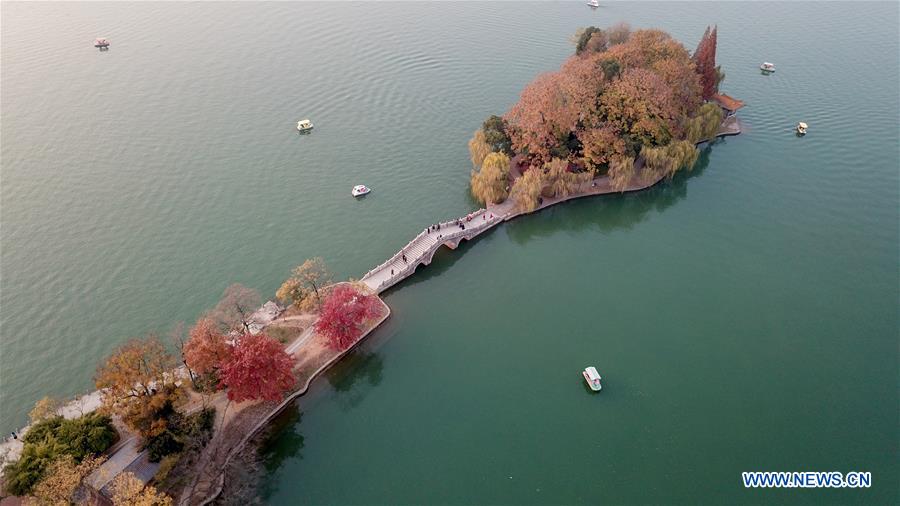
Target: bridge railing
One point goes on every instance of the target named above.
(475, 228)
(423, 233)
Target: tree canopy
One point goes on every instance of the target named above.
(56, 438)
(137, 384)
(258, 368)
(206, 350)
(234, 310)
(489, 184)
(304, 287)
(622, 93)
(345, 312)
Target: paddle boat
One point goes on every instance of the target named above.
(593, 3)
(360, 190)
(767, 67)
(592, 377)
(801, 128)
(304, 125)
(101, 42)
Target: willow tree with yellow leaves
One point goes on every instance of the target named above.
(526, 191)
(489, 185)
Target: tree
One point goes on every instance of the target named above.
(61, 479)
(705, 125)
(490, 183)
(667, 160)
(206, 351)
(304, 287)
(495, 135)
(621, 171)
(344, 314)
(44, 408)
(79, 437)
(640, 105)
(526, 190)
(20, 477)
(705, 60)
(52, 439)
(258, 368)
(137, 384)
(234, 311)
(618, 33)
(590, 39)
(542, 121)
(179, 340)
(128, 490)
(478, 148)
(559, 181)
(600, 146)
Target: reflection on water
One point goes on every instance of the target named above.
(354, 375)
(607, 212)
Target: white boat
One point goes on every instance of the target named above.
(801, 128)
(593, 3)
(304, 125)
(767, 67)
(101, 42)
(592, 377)
(360, 190)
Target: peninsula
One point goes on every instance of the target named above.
(623, 113)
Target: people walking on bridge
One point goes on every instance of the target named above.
(404, 257)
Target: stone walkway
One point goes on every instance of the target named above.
(421, 249)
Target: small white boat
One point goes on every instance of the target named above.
(360, 190)
(592, 377)
(801, 128)
(304, 125)
(101, 42)
(593, 3)
(767, 67)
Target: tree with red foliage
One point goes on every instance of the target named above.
(206, 351)
(343, 314)
(258, 368)
(705, 61)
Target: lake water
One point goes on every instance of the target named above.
(744, 316)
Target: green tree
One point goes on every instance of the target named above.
(53, 438)
(667, 160)
(489, 184)
(496, 136)
(590, 40)
(705, 124)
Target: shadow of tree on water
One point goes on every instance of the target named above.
(247, 476)
(354, 375)
(606, 213)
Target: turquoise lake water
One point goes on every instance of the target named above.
(743, 316)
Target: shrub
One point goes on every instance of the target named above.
(56, 437)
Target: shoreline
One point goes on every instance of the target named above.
(215, 482)
(498, 214)
(424, 246)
